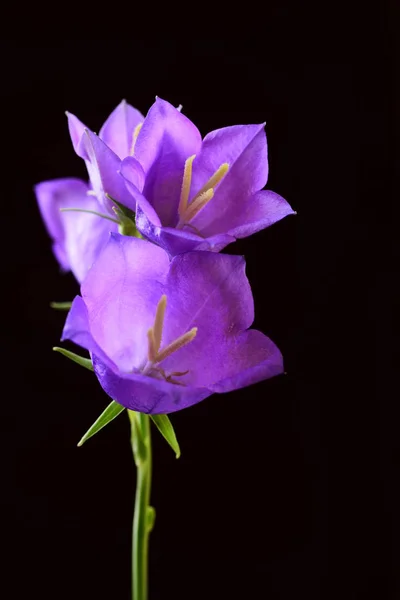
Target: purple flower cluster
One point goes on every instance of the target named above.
(166, 318)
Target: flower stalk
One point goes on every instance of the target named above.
(143, 518)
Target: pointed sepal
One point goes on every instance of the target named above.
(126, 218)
(109, 414)
(164, 426)
(80, 360)
(61, 305)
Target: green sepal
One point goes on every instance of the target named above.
(127, 227)
(164, 426)
(61, 305)
(126, 217)
(80, 360)
(109, 414)
(124, 210)
(151, 518)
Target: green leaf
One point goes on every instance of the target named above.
(61, 305)
(80, 360)
(164, 426)
(151, 518)
(112, 411)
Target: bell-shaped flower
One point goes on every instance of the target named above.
(164, 335)
(80, 232)
(194, 194)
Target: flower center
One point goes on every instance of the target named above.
(155, 355)
(187, 211)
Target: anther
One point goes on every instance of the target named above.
(134, 138)
(186, 183)
(154, 337)
(198, 204)
(214, 180)
(181, 341)
(151, 346)
(159, 321)
(187, 211)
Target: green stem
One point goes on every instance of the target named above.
(143, 515)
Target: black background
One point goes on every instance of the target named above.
(287, 489)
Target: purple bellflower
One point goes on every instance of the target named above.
(194, 194)
(164, 335)
(79, 236)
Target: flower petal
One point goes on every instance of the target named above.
(61, 256)
(121, 292)
(132, 171)
(248, 358)
(86, 236)
(165, 141)
(232, 145)
(258, 212)
(145, 394)
(103, 166)
(147, 220)
(53, 195)
(76, 129)
(78, 237)
(174, 241)
(244, 148)
(214, 243)
(117, 131)
(76, 329)
(211, 292)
